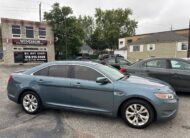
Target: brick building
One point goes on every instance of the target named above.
(26, 41)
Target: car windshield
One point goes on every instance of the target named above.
(111, 72)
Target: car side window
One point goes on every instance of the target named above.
(159, 63)
(181, 65)
(111, 61)
(59, 71)
(85, 73)
(123, 62)
(42, 72)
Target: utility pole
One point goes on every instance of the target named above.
(188, 51)
(66, 49)
(171, 27)
(40, 9)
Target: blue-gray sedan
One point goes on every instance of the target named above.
(92, 87)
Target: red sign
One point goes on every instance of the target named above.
(29, 42)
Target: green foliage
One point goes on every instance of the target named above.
(100, 32)
(87, 24)
(68, 32)
(112, 25)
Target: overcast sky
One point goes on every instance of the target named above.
(152, 15)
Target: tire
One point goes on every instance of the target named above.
(31, 102)
(140, 118)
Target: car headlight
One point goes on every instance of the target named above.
(165, 96)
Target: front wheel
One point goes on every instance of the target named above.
(137, 113)
(31, 103)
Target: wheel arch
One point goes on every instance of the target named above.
(27, 90)
(137, 98)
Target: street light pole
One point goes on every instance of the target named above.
(188, 51)
(40, 11)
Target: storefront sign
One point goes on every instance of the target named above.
(29, 42)
(25, 57)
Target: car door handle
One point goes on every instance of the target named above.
(147, 71)
(175, 75)
(77, 84)
(41, 81)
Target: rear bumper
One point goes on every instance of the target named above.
(12, 94)
(167, 110)
(12, 98)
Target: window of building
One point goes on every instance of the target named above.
(29, 32)
(18, 57)
(136, 48)
(181, 65)
(182, 46)
(42, 33)
(151, 47)
(80, 72)
(159, 63)
(121, 42)
(129, 41)
(16, 32)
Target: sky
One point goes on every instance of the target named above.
(152, 15)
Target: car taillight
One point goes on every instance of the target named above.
(123, 70)
(10, 78)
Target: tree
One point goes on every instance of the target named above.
(112, 25)
(87, 23)
(68, 32)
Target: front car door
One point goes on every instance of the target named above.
(180, 75)
(89, 95)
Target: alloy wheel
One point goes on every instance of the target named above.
(137, 114)
(30, 103)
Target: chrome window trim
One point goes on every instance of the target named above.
(72, 64)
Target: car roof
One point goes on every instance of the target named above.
(90, 63)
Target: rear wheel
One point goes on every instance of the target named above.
(137, 113)
(31, 102)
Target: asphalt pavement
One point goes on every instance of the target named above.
(59, 123)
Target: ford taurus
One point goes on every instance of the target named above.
(95, 88)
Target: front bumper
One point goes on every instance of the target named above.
(167, 109)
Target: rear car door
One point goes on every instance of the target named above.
(180, 75)
(156, 68)
(55, 85)
(89, 95)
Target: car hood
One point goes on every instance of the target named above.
(145, 81)
(148, 83)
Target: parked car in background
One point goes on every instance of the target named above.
(117, 62)
(174, 71)
(93, 87)
(188, 59)
(105, 56)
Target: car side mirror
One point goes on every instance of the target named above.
(102, 80)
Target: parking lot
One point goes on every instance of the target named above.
(53, 123)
